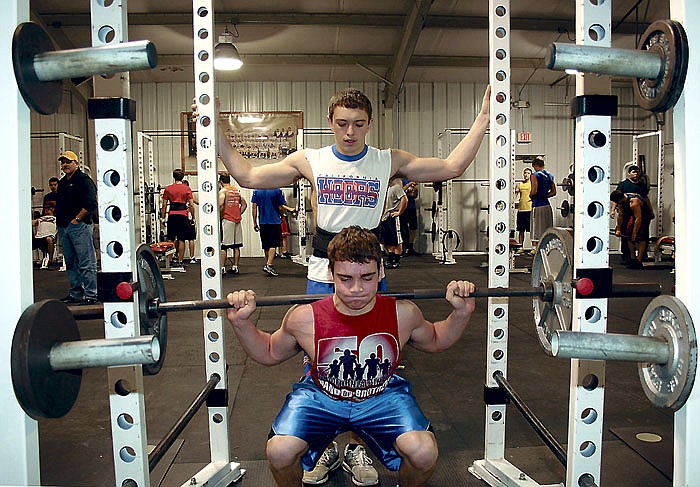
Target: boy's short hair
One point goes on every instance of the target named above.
(617, 196)
(350, 98)
(225, 178)
(538, 161)
(178, 174)
(53, 179)
(354, 244)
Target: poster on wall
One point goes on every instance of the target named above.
(261, 137)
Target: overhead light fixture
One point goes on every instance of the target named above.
(226, 57)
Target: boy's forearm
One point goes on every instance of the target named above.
(448, 331)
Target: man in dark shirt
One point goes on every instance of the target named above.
(632, 185)
(76, 201)
(633, 223)
(50, 197)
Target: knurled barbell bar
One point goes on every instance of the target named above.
(546, 291)
(665, 350)
(40, 71)
(659, 63)
(48, 356)
(153, 309)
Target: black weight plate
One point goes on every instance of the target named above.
(42, 96)
(151, 290)
(41, 391)
(565, 208)
(668, 39)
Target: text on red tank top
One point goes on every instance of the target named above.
(355, 356)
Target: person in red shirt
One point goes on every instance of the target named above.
(355, 327)
(178, 202)
(231, 208)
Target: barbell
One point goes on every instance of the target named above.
(40, 70)
(566, 208)
(48, 356)
(665, 350)
(545, 291)
(32, 374)
(665, 347)
(659, 64)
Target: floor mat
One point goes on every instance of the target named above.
(657, 449)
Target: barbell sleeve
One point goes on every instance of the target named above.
(85, 62)
(544, 292)
(610, 346)
(629, 63)
(104, 353)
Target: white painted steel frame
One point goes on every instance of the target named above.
(659, 134)
(591, 251)
(494, 468)
(142, 139)
(221, 471)
(301, 258)
(115, 187)
(444, 214)
(19, 450)
(686, 153)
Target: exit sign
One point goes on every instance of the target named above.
(524, 137)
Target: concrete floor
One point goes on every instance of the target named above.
(76, 450)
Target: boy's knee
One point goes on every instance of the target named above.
(285, 451)
(419, 448)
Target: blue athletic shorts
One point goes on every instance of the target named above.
(314, 417)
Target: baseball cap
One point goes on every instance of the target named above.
(69, 154)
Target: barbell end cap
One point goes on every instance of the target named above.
(551, 56)
(584, 286)
(125, 290)
(152, 55)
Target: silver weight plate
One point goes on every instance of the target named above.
(669, 385)
(553, 267)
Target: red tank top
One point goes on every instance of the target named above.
(178, 194)
(355, 356)
(232, 206)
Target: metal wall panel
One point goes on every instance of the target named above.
(423, 111)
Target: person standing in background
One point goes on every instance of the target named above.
(266, 219)
(191, 227)
(542, 188)
(76, 200)
(50, 197)
(409, 218)
(178, 203)
(231, 208)
(632, 185)
(522, 197)
(390, 227)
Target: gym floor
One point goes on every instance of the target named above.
(77, 451)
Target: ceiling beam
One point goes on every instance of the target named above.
(409, 39)
(432, 21)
